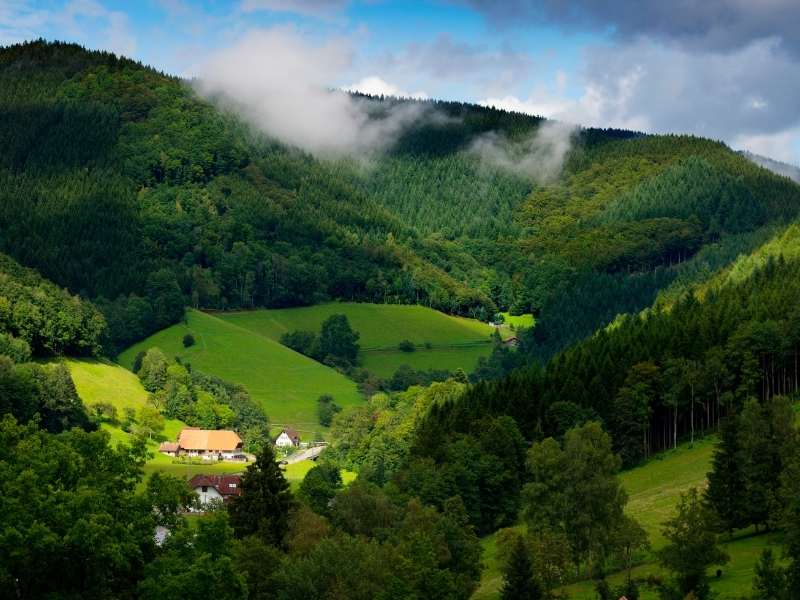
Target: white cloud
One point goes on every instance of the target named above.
(445, 62)
(781, 146)
(85, 21)
(745, 97)
(282, 83)
(375, 86)
(19, 21)
(540, 155)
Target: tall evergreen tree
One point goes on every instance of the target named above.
(726, 480)
(519, 582)
(263, 507)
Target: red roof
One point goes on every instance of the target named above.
(168, 447)
(226, 485)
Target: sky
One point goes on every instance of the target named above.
(724, 69)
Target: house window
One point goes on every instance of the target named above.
(231, 485)
(205, 489)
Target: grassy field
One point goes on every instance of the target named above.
(443, 341)
(384, 363)
(103, 381)
(653, 489)
(518, 321)
(286, 383)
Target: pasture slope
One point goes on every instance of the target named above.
(653, 489)
(101, 381)
(442, 341)
(287, 384)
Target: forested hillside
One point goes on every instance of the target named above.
(668, 373)
(121, 184)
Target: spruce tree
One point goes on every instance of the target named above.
(726, 480)
(519, 581)
(264, 505)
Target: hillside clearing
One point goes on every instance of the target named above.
(287, 384)
(442, 341)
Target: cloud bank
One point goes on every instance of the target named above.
(539, 156)
(282, 84)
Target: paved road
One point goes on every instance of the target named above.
(307, 454)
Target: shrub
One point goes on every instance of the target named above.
(304, 342)
(137, 361)
(406, 346)
(104, 412)
(188, 340)
(326, 409)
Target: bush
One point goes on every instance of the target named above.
(406, 346)
(137, 361)
(188, 340)
(104, 412)
(326, 409)
(304, 342)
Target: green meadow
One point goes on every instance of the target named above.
(518, 321)
(442, 341)
(653, 489)
(287, 384)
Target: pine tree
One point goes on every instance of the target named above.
(519, 582)
(264, 505)
(726, 480)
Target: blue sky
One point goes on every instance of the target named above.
(722, 68)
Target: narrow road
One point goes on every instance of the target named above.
(307, 454)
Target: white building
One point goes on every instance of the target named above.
(287, 438)
(215, 488)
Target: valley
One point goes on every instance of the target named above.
(531, 355)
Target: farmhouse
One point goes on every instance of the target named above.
(511, 342)
(288, 437)
(205, 443)
(215, 488)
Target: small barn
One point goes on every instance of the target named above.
(169, 448)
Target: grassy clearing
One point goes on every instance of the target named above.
(443, 341)
(382, 326)
(518, 321)
(286, 383)
(384, 363)
(654, 489)
(104, 381)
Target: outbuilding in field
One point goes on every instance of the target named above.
(169, 448)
